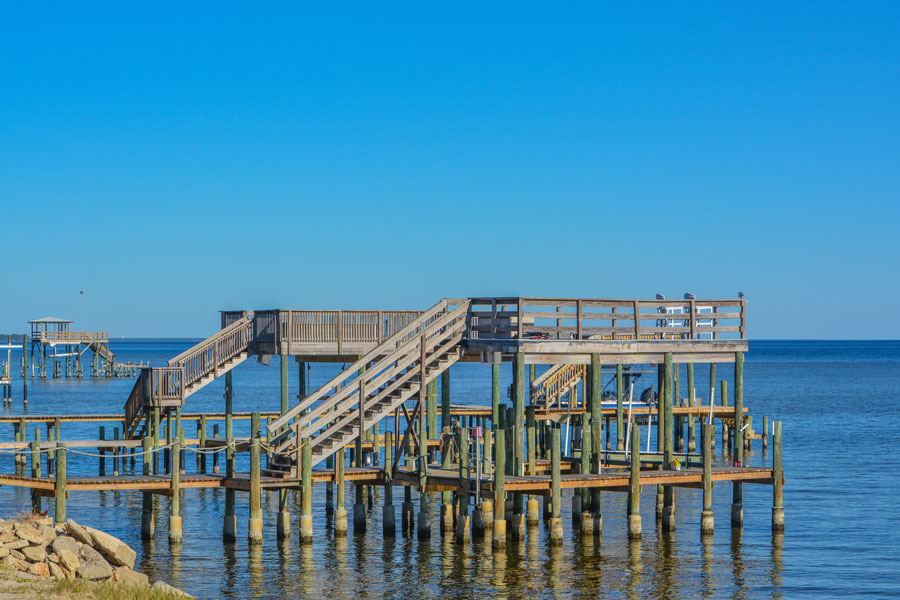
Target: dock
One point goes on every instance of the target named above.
(387, 419)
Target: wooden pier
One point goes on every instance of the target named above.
(384, 410)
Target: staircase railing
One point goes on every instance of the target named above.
(553, 383)
(384, 362)
(209, 355)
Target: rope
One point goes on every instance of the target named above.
(142, 452)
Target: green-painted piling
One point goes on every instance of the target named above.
(102, 453)
(462, 519)
(388, 516)
(36, 470)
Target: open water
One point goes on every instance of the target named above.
(839, 404)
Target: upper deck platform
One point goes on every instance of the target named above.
(546, 330)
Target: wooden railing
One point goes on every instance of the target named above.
(382, 363)
(555, 383)
(74, 337)
(209, 355)
(597, 319)
(134, 406)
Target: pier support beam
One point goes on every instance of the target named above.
(407, 519)
(254, 524)
(596, 406)
(778, 474)
(737, 501)
(462, 518)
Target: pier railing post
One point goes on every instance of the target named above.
(60, 488)
(147, 520)
(707, 520)
(778, 475)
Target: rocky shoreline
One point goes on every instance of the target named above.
(35, 546)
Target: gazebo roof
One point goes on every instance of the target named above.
(50, 320)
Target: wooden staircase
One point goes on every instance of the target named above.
(557, 381)
(187, 373)
(379, 382)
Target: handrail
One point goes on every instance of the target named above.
(388, 346)
(607, 319)
(73, 336)
(198, 348)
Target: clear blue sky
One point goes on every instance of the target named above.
(176, 159)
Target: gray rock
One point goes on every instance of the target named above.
(65, 542)
(127, 576)
(78, 532)
(29, 534)
(93, 566)
(56, 571)
(112, 548)
(69, 560)
(35, 553)
(165, 587)
(48, 533)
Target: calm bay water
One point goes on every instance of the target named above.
(838, 402)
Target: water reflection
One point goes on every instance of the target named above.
(635, 569)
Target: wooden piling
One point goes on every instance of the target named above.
(737, 502)
(585, 518)
(201, 436)
(229, 526)
(777, 488)
(495, 396)
(340, 511)
(60, 487)
(116, 453)
(388, 516)
(620, 414)
(668, 516)
(147, 520)
(692, 401)
(215, 457)
(499, 523)
(707, 520)
(462, 519)
(532, 511)
(175, 518)
(556, 528)
(723, 400)
(36, 470)
(306, 519)
(102, 452)
(634, 490)
(254, 525)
